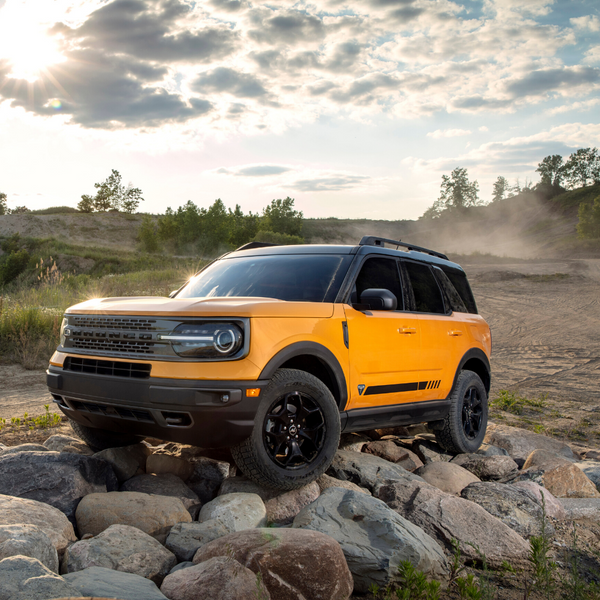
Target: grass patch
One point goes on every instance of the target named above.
(513, 403)
(43, 421)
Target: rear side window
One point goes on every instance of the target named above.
(461, 285)
(452, 297)
(379, 273)
(427, 295)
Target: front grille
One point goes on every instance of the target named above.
(122, 323)
(112, 345)
(119, 412)
(107, 367)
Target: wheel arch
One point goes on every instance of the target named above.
(476, 360)
(315, 359)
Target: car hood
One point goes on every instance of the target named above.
(203, 307)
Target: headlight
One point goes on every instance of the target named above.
(206, 340)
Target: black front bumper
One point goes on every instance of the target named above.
(209, 414)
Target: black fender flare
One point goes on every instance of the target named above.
(479, 355)
(322, 353)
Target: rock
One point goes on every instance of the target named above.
(591, 469)
(564, 481)
(208, 476)
(429, 451)
(447, 476)
(582, 508)
(165, 484)
(155, 515)
(543, 497)
(446, 517)
(325, 482)
(58, 441)
(487, 468)
(25, 578)
(78, 447)
(591, 454)
(28, 540)
(545, 460)
(236, 511)
(182, 565)
(15, 511)
(219, 578)
(102, 583)
(373, 537)
(512, 505)
(353, 442)
(185, 538)
(60, 480)
(377, 434)
(23, 448)
(365, 470)
(391, 452)
(281, 507)
(294, 564)
(127, 461)
(491, 450)
(3, 446)
(520, 443)
(122, 548)
(160, 463)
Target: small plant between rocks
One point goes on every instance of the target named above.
(43, 421)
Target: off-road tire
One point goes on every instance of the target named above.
(464, 427)
(100, 439)
(255, 456)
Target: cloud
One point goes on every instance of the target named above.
(255, 170)
(589, 22)
(548, 80)
(223, 79)
(331, 183)
(448, 133)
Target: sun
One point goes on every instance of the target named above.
(24, 43)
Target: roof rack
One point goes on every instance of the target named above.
(252, 245)
(371, 240)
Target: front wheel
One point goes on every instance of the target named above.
(464, 428)
(296, 432)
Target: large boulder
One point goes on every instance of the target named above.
(236, 512)
(392, 452)
(165, 484)
(155, 515)
(28, 540)
(491, 450)
(366, 470)
(326, 481)
(563, 481)
(219, 578)
(520, 443)
(591, 469)
(545, 459)
(487, 468)
(58, 441)
(100, 583)
(446, 517)
(208, 476)
(512, 505)
(447, 476)
(23, 448)
(544, 498)
(429, 451)
(294, 564)
(122, 548)
(185, 538)
(25, 578)
(58, 479)
(15, 511)
(374, 539)
(126, 461)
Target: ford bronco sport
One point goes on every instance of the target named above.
(274, 351)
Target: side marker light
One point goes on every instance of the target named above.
(253, 392)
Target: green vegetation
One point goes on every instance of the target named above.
(456, 193)
(112, 195)
(589, 219)
(43, 421)
(515, 404)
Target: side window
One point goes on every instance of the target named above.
(427, 295)
(453, 298)
(380, 273)
(461, 285)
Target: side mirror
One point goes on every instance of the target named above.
(379, 299)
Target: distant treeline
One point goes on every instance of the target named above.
(217, 228)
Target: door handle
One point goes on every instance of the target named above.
(455, 332)
(407, 330)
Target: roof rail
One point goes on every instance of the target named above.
(252, 245)
(371, 240)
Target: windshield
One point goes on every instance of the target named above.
(292, 277)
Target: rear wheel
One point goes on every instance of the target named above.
(296, 432)
(464, 428)
(100, 439)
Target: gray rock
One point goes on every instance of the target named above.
(447, 476)
(106, 583)
(3, 446)
(15, 511)
(353, 442)
(182, 565)
(219, 578)
(544, 498)
(58, 479)
(236, 512)
(165, 484)
(127, 461)
(582, 508)
(491, 450)
(512, 505)
(78, 447)
(23, 448)
(122, 548)
(429, 451)
(161, 462)
(563, 481)
(28, 540)
(325, 482)
(208, 476)
(446, 517)
(58, 441)
(185, 538)
(25, 578)
(365, 470)
(487, 468)
(592, 469)
(373, 537)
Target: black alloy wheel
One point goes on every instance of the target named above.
(472, 413)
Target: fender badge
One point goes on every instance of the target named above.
(361, 389)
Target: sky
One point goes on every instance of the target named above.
(355, 110)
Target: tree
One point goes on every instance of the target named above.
(280, 217)
(551, 170)
(86, 204)
(589, 220)
(501, 188)
(3, 204)
(147, 234)
(457, 192)
(582, 168)
(112, 195)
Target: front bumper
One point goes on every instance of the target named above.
(209, 414)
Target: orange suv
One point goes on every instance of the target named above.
(274, 351)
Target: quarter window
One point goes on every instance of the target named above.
(427, 295)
